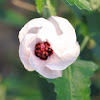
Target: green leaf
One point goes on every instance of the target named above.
(75, 82)
(81, 4)
(95, 4)
(39, 5)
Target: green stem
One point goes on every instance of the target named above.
(84, 42)
(70, 77)
(51, 7)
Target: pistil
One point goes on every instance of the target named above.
(43, 50)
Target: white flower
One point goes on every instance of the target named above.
(48, 46)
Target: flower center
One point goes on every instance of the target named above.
(43, 50)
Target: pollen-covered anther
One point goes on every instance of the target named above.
(43, 50)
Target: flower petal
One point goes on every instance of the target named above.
(68, 57)
(47, 35)
(22, 33)
(62, 39)
(24, 52)
(39, 66)
(66, 34)
(34, 26)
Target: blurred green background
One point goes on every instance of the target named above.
(16, 83)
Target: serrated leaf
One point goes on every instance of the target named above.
(75, 82)
(81, 4)
(39, 5)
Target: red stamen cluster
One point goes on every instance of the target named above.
(43, 50)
